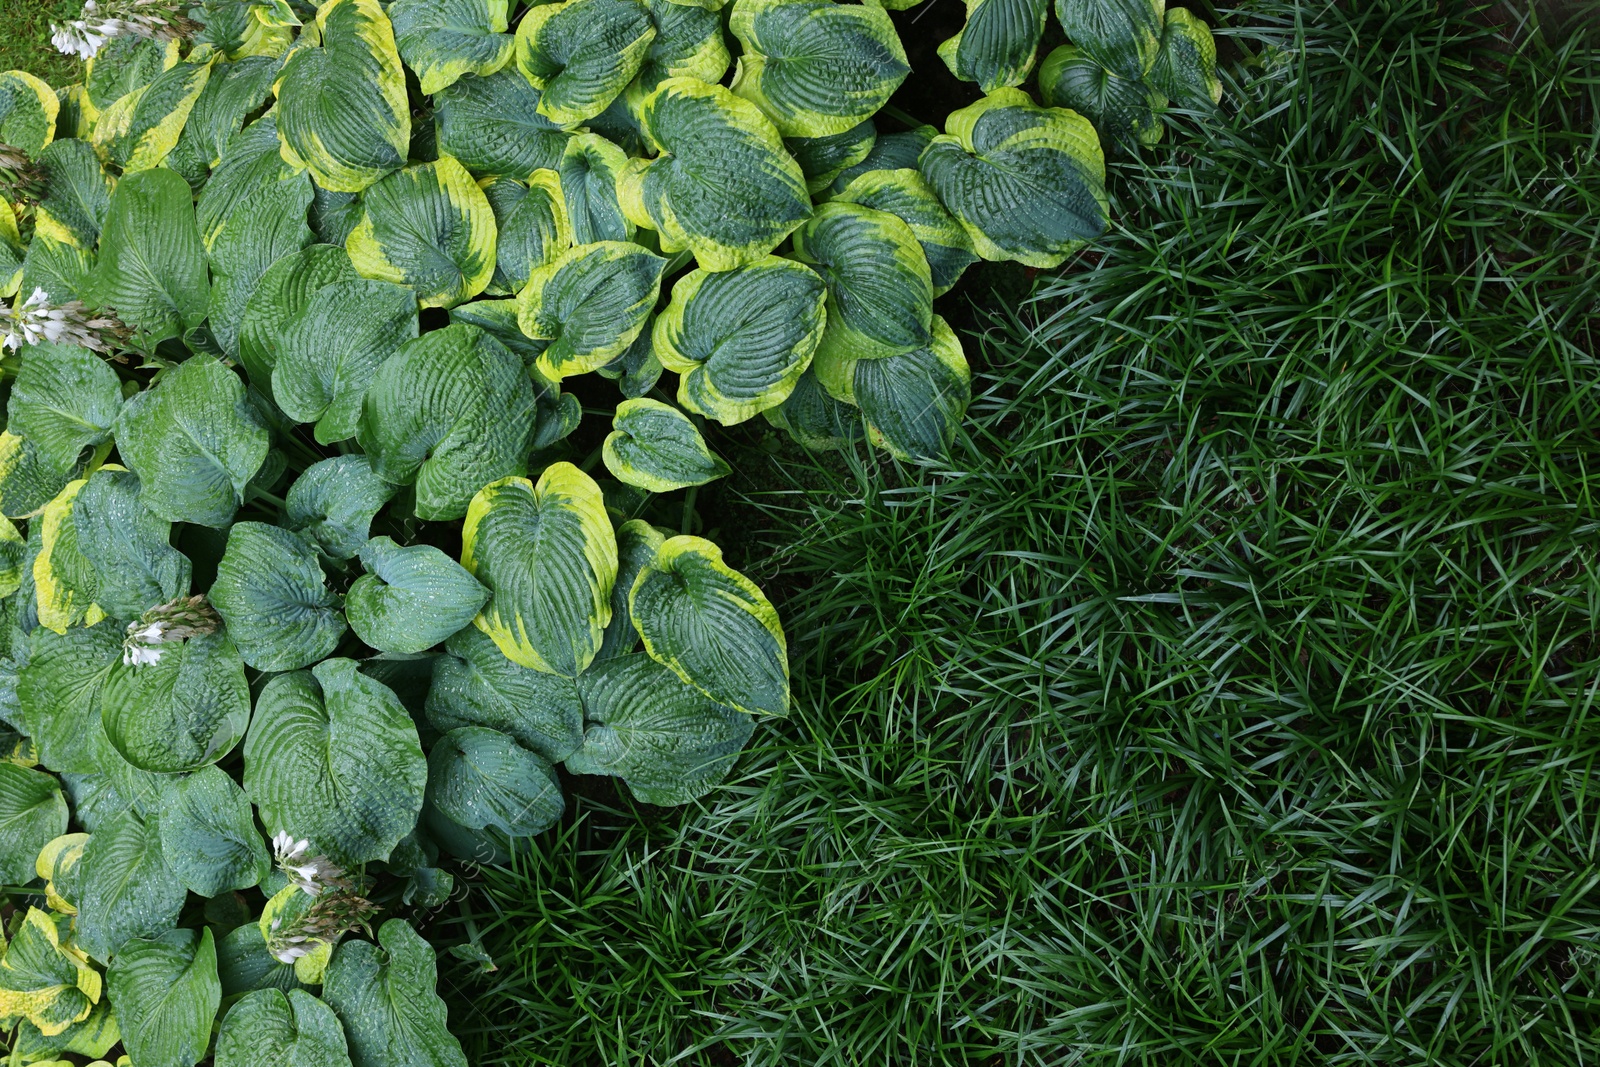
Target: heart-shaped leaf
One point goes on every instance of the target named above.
(271, 592)
(208, 835)
(654, 447)
(474, 684)
(386, 997)
(412, 598)
(493, 125)
(166, 994)
(152, 267)
(581, 54)
(429, 227)
(442, 40)
(267, 1027)
(184, 711)
(125, 890)
(32, 814)
(481, 778)
(334, 501)
(590, 304)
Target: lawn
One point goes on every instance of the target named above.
(25, 38)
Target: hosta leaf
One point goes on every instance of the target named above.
(166, 994)
(548, 555)
(1028, 183)
(637, 544)
(498, 319)
(444, 39)
(722, 186)
(157, 118)
(473, 846)
(474, 684)
(334, 501)
(997, 46)
(913, 403)
(64, 400)
(129, 548)
(186, 710)
(264, 228)
(581, 54)
(666, 740)
(654, 447)
(342, 108)
(32, 814)
(93, 1036)
(333, 757)
(125, 890)
(28, 481)
(152, 267)
(386, 997)
(64, 581)
(328, 354)
(194, 440)
(61, 269)
(77, 193)
(268, 1028)
(45, 978)
(482, 778)
(13, 561)
(815, 67)
(451, 411)
(1186, 67)
(271, 592)
(905, 195)
(234, 91)
(880, 288)
(636, 371)
(411, 598)
(250, 162)
(492, 125)
(209, 836)
(59, 692)
(590, 304)
(234, 30)
(712, 626)
(334, 215)
(282, 293)
(1121, 109)
(28, 110)
(244, 964)
(822, 159)
(428, 227)
(688, 44)
(742, 338)
(533, 228)
(590, 169)
(1121, 35)
(125, 63)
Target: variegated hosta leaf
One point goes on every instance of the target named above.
(581, 54)
(997, 46)
(668, 741)
(155, 120)
(654, 447)
(209, 836)
(329, 353)
(281, 294)
(637, 544)
(386, 996)
(451, 411)
(493, 125)
(13, 561)
(712, 626)
(235, 30)
(13, 253)
(266, 226)
(64, 581)
(64, 400)
(905, 195)
(637, 370)
(166, 994)
(740, 339)
(1121, 35)
(880, 288)
(63, 270)
(129, 548)
(688, 44)
(411, 598)
(589, 304)
(271, 592)
(442, 40)
(186, 710)
(474, 684)
(32, 814)
(722, 184)
(822, 159)
(334, 501)
(244, 964)
(548, 555)
(56, 864)
(590, 170)
(333, 757)
(125, 64)
(233, 91)
(152, 267)
(533, 228)
(1028, 183)
(498, 319)
(250, 161)
(480, 778)
(28, 110)
(914, 403)
(93, 1036)
(194, 440)
(1121, 109)
(428, 227)
(267, 1027)
(125, 890)
(77, 194)
(815, 67)
(28, 481)
(1186, 67)
(58, 689)
(44, 977)
(814, 419)
(342, 108)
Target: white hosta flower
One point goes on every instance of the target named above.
(139, 655)
(35, 321)
(285, 847)
(290, 953)
(162, 20)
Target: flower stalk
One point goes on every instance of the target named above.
(165, 624)
(161, 20)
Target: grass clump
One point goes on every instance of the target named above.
(1231, 699)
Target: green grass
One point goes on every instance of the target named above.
(1230, 700)
(25, 39)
